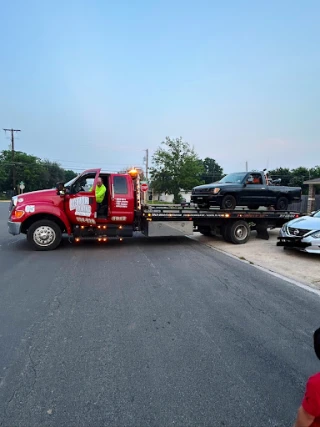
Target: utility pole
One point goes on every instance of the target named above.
(147, 164)
(246, 166)
(147, 174)
(12, 131)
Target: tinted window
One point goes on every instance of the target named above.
(120, 185)
(233, 178)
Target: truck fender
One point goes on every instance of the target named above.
(41, 211)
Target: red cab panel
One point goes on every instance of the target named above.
(122, 199)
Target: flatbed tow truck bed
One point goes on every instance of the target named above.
(234, 226)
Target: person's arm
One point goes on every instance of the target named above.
(304, 419)
(309, 408)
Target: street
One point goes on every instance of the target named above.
(148, 333)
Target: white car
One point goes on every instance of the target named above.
(302, 233)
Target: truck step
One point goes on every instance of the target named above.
(102, 231)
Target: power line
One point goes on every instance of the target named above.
(12, 131)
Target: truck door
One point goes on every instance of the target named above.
(122, 198)
(255, 192)
(80, 202)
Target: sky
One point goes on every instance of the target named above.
(95, 83)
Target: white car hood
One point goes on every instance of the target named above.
(306, 223)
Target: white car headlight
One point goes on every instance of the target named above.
(215, 190)
(316, 235)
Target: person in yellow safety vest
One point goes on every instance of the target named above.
(100, 192)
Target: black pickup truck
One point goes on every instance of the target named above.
(250, 189)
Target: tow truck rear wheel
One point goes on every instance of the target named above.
(225, 232)
(239, 232)
(44, 235)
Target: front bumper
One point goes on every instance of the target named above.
(211, 199)
(14, 228)
(305, 244)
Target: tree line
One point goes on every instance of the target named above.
(36, 173)
(176, 167)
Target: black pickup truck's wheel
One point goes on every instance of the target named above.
(44, 235)
(228, 202)
(253, 207)
(282, 204)
(239, 232)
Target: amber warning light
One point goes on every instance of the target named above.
(133, 173)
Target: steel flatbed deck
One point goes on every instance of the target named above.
(234, 225)
(163, 212)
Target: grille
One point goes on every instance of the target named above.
(298, 232)
(202, 190)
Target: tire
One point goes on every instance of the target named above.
(228, 202)
(225, 232)
(253, 207)
(41, 229)
(239, 232)
(282, 204)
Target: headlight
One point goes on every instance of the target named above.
(316, 235)
(215, 190)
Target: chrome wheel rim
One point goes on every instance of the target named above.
(241, 232)
(44, 236)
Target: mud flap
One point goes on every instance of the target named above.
(262, 231)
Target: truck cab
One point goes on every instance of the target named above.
(72, 208)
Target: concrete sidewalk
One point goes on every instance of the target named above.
(295, 265)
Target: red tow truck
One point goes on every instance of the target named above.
(71, 208)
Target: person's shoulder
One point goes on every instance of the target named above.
(314, 381)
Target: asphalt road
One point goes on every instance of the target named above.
(148, 333)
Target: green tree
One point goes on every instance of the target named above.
(212, 171)
(298, 176)
(175, 167)
(283, 173)
(37, 174)
(69, 175)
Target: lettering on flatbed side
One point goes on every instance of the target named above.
(81, 205)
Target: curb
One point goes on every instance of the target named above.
(301, 285)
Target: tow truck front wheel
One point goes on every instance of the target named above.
(44, 235)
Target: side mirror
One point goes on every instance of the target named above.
(316, 342)
(61, 190)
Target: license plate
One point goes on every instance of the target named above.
(200, 198)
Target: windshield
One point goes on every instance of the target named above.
(317, 214)
(235, 178)
(67, 184)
